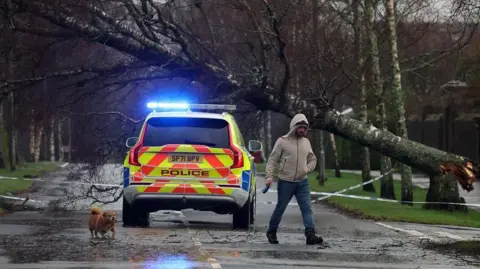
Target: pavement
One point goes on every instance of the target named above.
(52, 238)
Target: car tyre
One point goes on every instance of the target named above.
(132, 218)
(128, 214)
(253, 208)
(242, 218)
(143, 220)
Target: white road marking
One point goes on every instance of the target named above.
(213, 262)
(449, 235)
(411, 232)
(274, 203)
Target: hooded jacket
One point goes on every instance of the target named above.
(292, 156)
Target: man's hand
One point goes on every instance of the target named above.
(269, 182)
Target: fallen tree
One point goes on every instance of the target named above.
(150, 26)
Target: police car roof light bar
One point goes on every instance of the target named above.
(167, 105)
(186, 106)
(213, 107)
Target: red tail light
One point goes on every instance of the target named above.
(237, 157)
(237, 153)
(133, 158)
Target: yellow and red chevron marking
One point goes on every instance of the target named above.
(216, 160)
(184, 188)
(231, 180)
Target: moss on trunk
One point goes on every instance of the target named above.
(406, 151)
(387, 190)
(5, 149)
(335, 155)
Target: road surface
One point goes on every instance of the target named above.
(60, 239)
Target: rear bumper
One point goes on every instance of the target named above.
(152, 202)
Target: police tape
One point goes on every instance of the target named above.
(356, 186)
(350, 188)
(66, 182)
(19, 199)
(386, 200)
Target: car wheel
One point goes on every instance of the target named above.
(241, 218)
(132, 218)
(128, 214)
(253, 208)
(143, 220)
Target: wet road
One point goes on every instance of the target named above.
(51, 239)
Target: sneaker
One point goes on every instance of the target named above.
(272, 237)
(312, 238)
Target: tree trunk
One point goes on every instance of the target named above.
(11, 115)
(69, 139)
(430, 160)
(51, 139)
(444, 189)
(320, 145)
(264, 132)
(335, 155)
(38, 142)
(5, 140)
(387, 190)
(386, 183)
(362, 108)
(399, 102)
(269, 132)
(13, 152)
(61, 154)
(32, 138)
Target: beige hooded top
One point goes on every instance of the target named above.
(292, 155)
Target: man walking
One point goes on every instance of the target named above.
(293, 158)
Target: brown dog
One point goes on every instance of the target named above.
(99, 222)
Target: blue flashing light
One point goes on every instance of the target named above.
(188, 106)
(167, 105)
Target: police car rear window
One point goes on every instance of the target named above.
(190, 131)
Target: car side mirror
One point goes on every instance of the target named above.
(254, 145)
(255, 148)
(131, 141)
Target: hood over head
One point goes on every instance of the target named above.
(297, 120)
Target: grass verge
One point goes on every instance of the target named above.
(19, 185)
(30, 170)
(385, 211)
(260, 167)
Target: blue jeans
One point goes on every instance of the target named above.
(286, 190)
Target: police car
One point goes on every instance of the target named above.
(188, 156)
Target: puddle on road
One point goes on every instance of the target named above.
(11, 229)
(35, 249)
(175, 261)
(319, 255)
(150, 247)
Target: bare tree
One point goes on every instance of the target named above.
(174, 39)
(399, 101)
(363, 106)
(387, 190)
